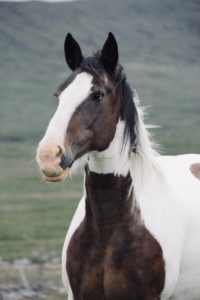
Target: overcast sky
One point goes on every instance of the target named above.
(37, 0)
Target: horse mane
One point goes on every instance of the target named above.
(143, 151)
(144, 165)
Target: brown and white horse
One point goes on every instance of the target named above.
(136, 232)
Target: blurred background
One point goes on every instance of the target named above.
(159, 43)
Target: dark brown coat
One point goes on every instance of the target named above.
(112, 255)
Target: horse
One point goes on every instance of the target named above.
(136, 232)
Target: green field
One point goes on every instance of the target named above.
(159, 48)
(34, 215)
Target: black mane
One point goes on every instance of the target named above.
(129, 111)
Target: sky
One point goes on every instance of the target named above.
(38, 0)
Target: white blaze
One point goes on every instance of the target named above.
(69, 100)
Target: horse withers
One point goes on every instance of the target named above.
(136, 232)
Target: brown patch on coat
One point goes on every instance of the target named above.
(112, 256)
(195, 169)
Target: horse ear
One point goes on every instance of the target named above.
(73, 54)
(109, 53)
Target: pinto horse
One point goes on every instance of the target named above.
(136, 232)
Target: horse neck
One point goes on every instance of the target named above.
(108, 201)
(117, 178)
(108, 185)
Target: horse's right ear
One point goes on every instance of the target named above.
(109, 53)
(73, 54)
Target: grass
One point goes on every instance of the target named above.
(172, 99)
(34, 215)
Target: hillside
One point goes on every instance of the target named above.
(159, 47)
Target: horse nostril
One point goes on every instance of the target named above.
(49, 153)
(60, 152)
(66, 161)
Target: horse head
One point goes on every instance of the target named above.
(90, 105)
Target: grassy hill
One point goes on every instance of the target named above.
(159, 47)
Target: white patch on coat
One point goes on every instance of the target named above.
(115, 159)
(76, 220)
(69, 100)
(170, 209)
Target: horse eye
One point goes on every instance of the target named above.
(98, 96)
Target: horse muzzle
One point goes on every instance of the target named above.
(54, 162)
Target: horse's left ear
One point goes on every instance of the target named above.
(73, 54)
(109, 53)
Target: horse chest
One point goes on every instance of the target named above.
(129, 266)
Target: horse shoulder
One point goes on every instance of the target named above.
(170, 212)
(160, 220)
